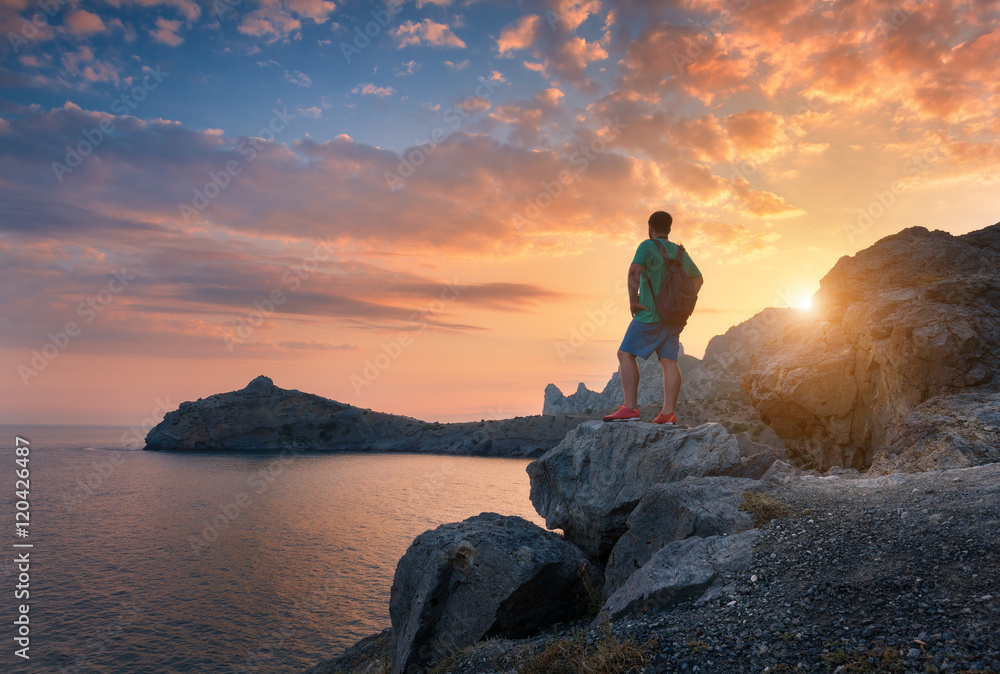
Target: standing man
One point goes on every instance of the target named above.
(647, 333)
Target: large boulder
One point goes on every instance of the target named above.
(954, 431)
(488, 576)
(914, 317)
(681, 570)
(590, 483)
(728, 356)
(675, 511)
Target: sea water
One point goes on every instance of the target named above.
(220, 562)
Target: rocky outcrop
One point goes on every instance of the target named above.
(610, 397)
(489, 576)
(719, 373)
(913, 319)
(590, 483)
(953, 431)
(681, 570)
(694, 507)
(863, 559)
(728, 356)
(262, 416)
(368, 656)
(494, 576)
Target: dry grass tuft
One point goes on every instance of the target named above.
(573, 655)
(764, 507)
(881, 659)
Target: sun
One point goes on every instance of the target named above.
(805, 302)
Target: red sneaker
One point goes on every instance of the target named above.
(623, 414)
(668, 419)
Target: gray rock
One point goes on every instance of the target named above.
(681, 570)
(881, 481)
(261, 387)
(489, 576)
(849, 473)
(945, 432)
(780, 472)
(756, 457)
(728, 356)
(674, 511)
(590, 483)
(367, 656)
(912, 318)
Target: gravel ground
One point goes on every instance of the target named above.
(892, 574)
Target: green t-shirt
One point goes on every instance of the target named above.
(653, 270)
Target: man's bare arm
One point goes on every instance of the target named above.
(633, 288)
(698, 281)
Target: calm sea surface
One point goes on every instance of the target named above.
(153, 562)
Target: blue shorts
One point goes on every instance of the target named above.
(642, 339)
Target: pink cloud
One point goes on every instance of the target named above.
(572, 13)
(166, 32)
(426, 32)
(82, 22)
(371, 89)
(520, 35)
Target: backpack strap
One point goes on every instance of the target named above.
(663, 251)
(679, 258)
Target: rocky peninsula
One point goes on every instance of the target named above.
(265, 417)
(870, 546)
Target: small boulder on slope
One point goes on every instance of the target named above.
(675, 511)
(681, 570)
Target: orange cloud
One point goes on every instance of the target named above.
(757, 134)
(733, 242)
(760, 204)
(719, 77)
(527, 120)
(572, 13)
(704, 138)
(572, 56)
(520, 35)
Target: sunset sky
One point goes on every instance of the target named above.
(429, 208)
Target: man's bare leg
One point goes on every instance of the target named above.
(671, 383)
(629, 371)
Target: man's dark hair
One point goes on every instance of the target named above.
(661, 222)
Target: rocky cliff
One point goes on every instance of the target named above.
(728, 356)
(902, 354)
(681, 562)
(610, 397)
(262, 416)
(789, 572)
